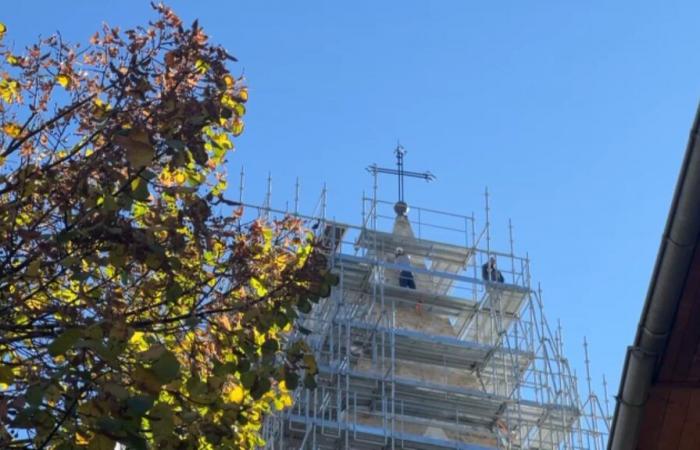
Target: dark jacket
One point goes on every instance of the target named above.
(491, 275)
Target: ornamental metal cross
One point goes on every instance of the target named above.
(400, 172)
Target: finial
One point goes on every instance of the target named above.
(401, 207)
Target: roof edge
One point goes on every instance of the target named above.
(663, 297)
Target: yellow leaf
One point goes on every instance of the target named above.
(138, 341)
(222, 140)
(9, 90)
(12, 129)
(3, 30)
(242, 95)
(11, 59)
(258, 337)
(267, 235)
(228, 80)
(236, 394)
(63, 80)
(180, 177)
(260, 290)
(228, 102)
(282, 402)
(201, 66)
(237, 126)
(81, 439)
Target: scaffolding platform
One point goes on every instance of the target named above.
(337, 434)
(435, 350)
(452, 405)
(450, 258)
(456, 363)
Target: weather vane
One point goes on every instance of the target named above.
(401, 207)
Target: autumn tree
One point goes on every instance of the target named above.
(137, 305)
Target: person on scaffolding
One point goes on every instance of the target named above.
(490, 272)
(405, 276)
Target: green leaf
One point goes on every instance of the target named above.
(139, 405)
(154, 261)
(109, 351)
(101, 442)
(196, 387)
(139, 156)
(64, 342)
(139, 189)
(260, 387)
(167, 367)
(223, 369)
(310, 382)
(135, 442)
(173, 292)
(33, 268)
(331, 279)
(116, 390)
(291, 379)
(174, 143)
(248, 379)
(154, 352)
(162, 424)
(147, 380)
(94, 332)
(108, 203)
(311, 366)
(269, 347)
(35, 394)
(304, 306)
(6, 375)
(110, 425)
(325, 291)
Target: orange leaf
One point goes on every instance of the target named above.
(12, 129)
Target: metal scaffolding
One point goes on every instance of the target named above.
(460, 362)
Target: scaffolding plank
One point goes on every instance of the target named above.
(504, 303)
(452, 404)
(437, 350)
(362, 436)
(386, 243)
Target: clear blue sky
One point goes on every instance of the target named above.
(575, 115)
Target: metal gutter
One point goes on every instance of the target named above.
(666, 287)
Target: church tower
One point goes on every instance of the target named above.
(432, 340)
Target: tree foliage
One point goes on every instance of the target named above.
(136, 304)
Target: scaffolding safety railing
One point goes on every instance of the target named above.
(458, 362)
